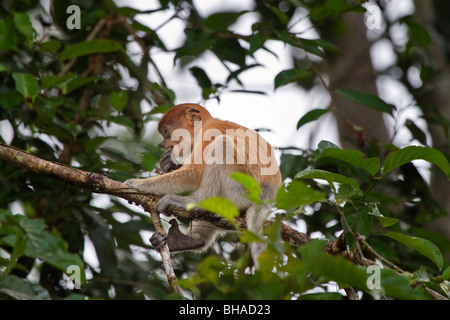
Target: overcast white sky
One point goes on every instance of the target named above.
(279, 110)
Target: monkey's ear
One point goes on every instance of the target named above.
(193, 115)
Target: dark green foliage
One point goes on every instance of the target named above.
(67, 100)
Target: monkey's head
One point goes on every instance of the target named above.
(181, 116)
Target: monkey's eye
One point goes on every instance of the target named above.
(164, 132)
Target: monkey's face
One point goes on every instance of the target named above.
(167, 141)
(176, 132)
(179, 127)
(178, 137)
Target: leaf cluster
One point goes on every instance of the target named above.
(83, 98)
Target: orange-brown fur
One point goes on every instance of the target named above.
(208, 179)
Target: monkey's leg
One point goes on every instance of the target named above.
(210, 186)
(214, 179)
(176, 240)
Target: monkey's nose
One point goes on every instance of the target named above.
(162, 145)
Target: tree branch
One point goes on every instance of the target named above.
(96, 183)
(100, 184)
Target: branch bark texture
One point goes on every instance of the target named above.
(100, 184)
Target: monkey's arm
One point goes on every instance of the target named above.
(184, 179)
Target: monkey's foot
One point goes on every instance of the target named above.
(158, 240)
(176, 240)
(170, 200)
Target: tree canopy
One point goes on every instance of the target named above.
(81, 87)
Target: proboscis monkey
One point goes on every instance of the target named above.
(209, 150)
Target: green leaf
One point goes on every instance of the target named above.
(410, 153)
(326, 267)
(22, 289)
(51, 46)
(27, 86)
(321, 296)
(18, 251)
(221, 21)
(51, 80)
(23, 24)
(297, 194)
(446, 273)
(282, 17)
(121, 120)
(249, 183)
(368, 100)
(324, 144)
(324, 44)
(385, 221)
(90, 145)
(8, 37)
(423, 246)
(358, 220)
(220, 206)
(292, 75)
(10, 99)
(3, 68)
(201, 77)
(316, 46)
(398, 286)
(353, 157)
(416, 132)
(330, 7)
(74, 84)
(290, 164)
(327, 176)
(234, 75)
(311, 116)
(148, 161)
(197, 41)
(89, 47)
(211, 268)
(229, 50)
(372, 209)
(249, 237)
(419, 33)
(46, 246)
(119, 99)
(104, 243)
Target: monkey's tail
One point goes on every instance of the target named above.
(255, 217)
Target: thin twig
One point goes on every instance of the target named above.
(100, 184)
(376, 254)
(144, 48)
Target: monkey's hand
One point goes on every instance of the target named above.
(167, 163)
(176, 240)
(171, 200)
(138, 184)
